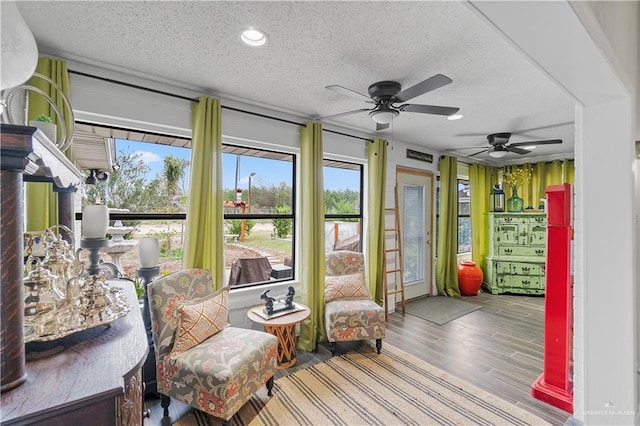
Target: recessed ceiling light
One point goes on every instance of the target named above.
(455, 117)
(253, 37)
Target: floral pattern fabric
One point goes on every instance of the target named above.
(351, 319)
(220, 374)
(354, 319)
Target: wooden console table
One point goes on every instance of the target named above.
(96, 379)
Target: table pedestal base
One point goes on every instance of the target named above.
(286, 335)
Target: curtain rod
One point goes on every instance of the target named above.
(458, 160)
(195, 100)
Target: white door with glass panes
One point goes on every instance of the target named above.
(415, 204)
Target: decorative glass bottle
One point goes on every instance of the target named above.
(515, 203)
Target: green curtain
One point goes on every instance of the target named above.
(41, 202)
(447, 262)
(376, 179)
(543, 174)
(203, 247)
(312, 229)
(481, 181)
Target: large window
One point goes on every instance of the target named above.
(343, 201)
(150, 191)
(464, 215)
(259, 206)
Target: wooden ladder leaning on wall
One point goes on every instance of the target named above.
(397, 268)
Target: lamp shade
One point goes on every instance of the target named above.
(19, 49)
(148, 252)
(497, 154)
(95, 221)
(383, 117)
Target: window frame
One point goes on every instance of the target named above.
(292, 215)
(458, 182)
(328, 162)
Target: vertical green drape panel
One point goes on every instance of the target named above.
(447, 262)
(41, 202)
(312, 231)
(543, 174)
(376, 183)
(481, 181)
(203, 247)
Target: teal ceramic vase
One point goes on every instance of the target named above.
(515, 204)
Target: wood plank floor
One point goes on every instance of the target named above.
(497, 348)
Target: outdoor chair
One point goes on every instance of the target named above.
(350, 312)
(200, 360)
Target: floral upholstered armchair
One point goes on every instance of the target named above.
(200, 360)
(350, 312)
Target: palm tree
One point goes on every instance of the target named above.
(174, 169)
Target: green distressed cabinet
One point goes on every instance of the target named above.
(517, 247)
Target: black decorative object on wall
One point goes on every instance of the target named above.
(421, 156)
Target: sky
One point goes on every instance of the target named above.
(267, 172)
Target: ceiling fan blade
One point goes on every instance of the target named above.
(549, 126)
(516, 150)
(349, 92)
(546, 142)
(466, 147)
(432, 83)
(342, 114)
(429, 109)
(479, 152)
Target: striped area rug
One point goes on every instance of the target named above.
(364, 388)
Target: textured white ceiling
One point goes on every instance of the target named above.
(315, 44)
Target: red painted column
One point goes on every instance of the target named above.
(555, 384)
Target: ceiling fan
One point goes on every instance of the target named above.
(385, 94)
(499, 145)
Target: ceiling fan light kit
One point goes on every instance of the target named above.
(385, 94)
(499, 145)
(383, 117)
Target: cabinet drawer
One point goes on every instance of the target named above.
(532, 269)
(521, 281)
(520, 219)
(503, 267)
(521, 251)
(510, 220)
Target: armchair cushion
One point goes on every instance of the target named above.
(351, 286)
(200, 319)
(354, 319)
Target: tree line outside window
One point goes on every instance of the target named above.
(259, 203)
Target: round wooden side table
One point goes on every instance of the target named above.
(284, 328)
